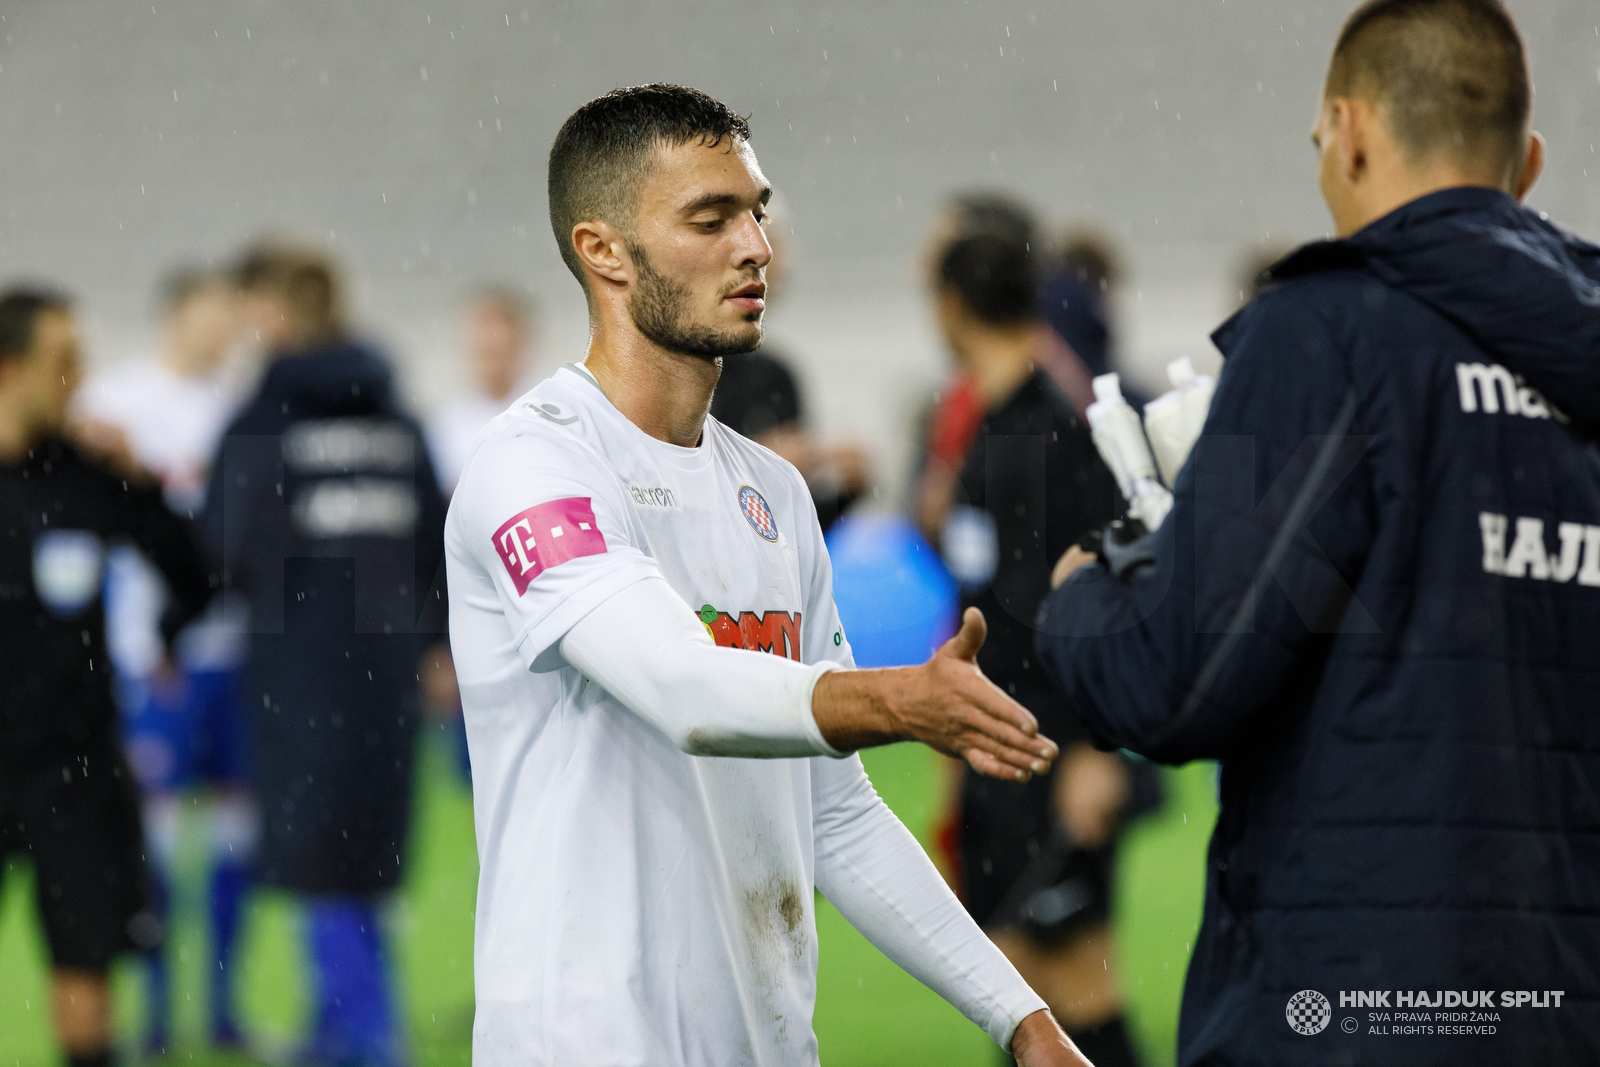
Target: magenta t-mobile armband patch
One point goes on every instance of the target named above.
(547, 535)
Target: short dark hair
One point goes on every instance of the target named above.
(1450, 75)
(994, 275)
(185, 282)
(1090, 258)
(988, 212)
(604, 151)
(305, 279)
(20, 309)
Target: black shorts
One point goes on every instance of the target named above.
(1005, 827)
(78, 821)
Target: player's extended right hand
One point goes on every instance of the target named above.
(959, 712)
(946, 703)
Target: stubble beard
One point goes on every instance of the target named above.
(660, 311)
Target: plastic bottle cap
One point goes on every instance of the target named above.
(1108, 388)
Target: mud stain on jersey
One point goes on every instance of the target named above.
(774, 918)
(774, 921)
(792, 911)
(703, 742)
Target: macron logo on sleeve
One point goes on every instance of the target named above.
(547, 535)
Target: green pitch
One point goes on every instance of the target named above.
(869, 1014)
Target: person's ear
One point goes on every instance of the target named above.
(601, 249)
(1532, 164)
(1353, 119)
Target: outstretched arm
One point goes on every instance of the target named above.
(1252, 572)
(646, 648)
(946, 703)
(870, 867)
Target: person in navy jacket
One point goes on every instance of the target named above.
(325, 513)
(1376, 598)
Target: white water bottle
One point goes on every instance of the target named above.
(1173, 421)
(1119, 436)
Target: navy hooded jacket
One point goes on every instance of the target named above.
(326, 514)
(1377, 602)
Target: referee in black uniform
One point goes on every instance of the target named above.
(1035, 857)
(67, 797)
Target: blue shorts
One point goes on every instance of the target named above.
(195, 735)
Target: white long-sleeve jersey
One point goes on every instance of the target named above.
(646, 886)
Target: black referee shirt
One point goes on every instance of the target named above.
(58, 513)
(1034, 470)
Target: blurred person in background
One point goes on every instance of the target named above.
(182, 729)
(67, 796)
(958, 409)
(1035, 857)
(498, 328)
(326, 515)
(1375, 597)
(498, 323)
(758, 396)
(1079, 275)
(1075, 292)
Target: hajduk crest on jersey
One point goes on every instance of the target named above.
(755, 509)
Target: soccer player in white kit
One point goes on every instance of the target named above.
(660, 701)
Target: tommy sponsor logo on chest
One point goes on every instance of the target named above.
(777, 632)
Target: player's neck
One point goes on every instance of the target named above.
(1000, 361)
(1394, 185)
(665, 394)
(500, 390)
